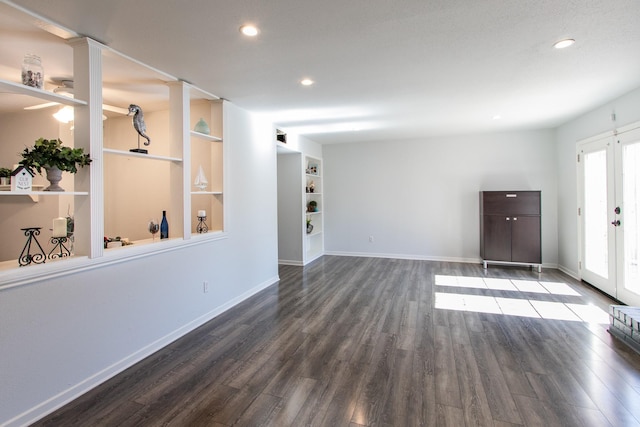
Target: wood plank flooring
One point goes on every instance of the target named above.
(379, 342)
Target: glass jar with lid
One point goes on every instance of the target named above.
(32, 71)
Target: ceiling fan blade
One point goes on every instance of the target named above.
(106, 107)
(40, 106)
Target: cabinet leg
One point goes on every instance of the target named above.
(484, 264)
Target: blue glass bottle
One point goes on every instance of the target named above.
(164, 226)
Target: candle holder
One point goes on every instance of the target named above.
(59, 249)
(202, 226)
(26, 257)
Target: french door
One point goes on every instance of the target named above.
(609, 209)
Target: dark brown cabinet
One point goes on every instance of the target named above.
(510, 227)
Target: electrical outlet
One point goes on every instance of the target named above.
(205, 287)
(370, 239)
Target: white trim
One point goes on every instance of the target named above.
(568, 272)
(48, 406)
(27, 275)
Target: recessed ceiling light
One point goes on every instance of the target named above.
(306, 82)
(564, 43)
(249, 30)
(497, 117)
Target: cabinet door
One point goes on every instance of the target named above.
(497, 237)
(525, 239)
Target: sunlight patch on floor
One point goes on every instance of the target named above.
(521, 307)
(533, 286)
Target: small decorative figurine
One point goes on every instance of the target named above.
(27, 256)
(201, 180)
(21, 180)
(139, 126)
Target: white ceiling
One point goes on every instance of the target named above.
(390, 69)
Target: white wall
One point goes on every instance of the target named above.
(63, 335)
(290, 207)
(627, 111)
(419, 199)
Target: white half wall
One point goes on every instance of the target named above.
(627, 111)
(419, 199)
(64, 335)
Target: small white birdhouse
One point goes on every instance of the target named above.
(21, 180)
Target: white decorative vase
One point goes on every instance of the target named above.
(54, 176)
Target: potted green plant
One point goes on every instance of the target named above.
(5, 175)
(51, 155)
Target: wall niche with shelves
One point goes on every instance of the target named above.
(138, 186)
(314, 238)
(207, 161)
(26, 114)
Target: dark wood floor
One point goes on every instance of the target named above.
(369, 342)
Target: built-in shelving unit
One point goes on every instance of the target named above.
(314, 238)
(121, 190)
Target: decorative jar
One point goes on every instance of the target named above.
(32, 71)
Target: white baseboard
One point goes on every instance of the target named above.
(405, 256)
(419, 258)
(290, 262)
(55, 402)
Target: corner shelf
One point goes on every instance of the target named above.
(140, 155)
(215, 193)
(205, 136)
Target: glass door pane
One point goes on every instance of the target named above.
(631, 217)
(595, 213)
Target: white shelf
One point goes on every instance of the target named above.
(205, 136)
(20, 89)
(140, 155)
(313, 194)
(314, 213)
(5, 190)
(207, 192)
(314, 233)
(44, 193)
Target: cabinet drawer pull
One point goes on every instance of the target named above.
(508, 218)
(511, 195)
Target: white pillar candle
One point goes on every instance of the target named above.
(202, 213)
(60, 227)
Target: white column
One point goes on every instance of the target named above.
(89, 211)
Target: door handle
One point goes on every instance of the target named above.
(616, 223)
(617, 210)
